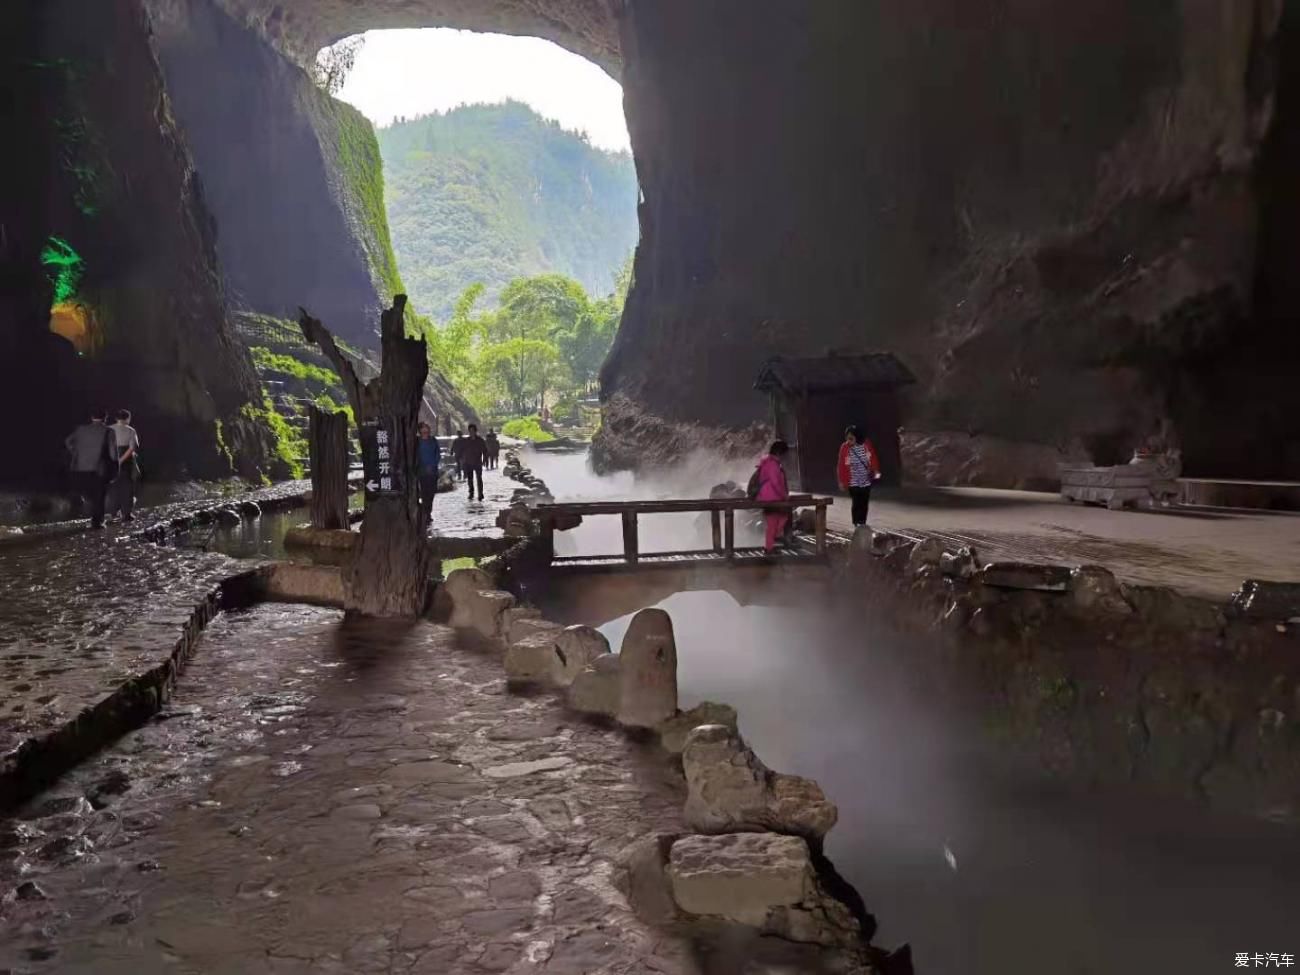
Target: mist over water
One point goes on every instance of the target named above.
(982, 867)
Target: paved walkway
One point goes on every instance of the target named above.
(328, 796)
(1203, 551)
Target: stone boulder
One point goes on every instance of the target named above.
(927, 552)
(517, 522)
(521, 622)
(463, 581)
(1026, 575)
(476, 605)
(762, 880)
(674, 731)
(597, 689)
(730, 790)
(648, 672)
(1094, 589)
(727, 490)
(960, 564)
(576, 649)
(532, 659)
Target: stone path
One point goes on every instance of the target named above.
(84, 612)
(81, 614)
(328, 796)
(1201, 551)
(455, 514)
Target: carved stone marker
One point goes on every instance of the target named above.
(648, 672)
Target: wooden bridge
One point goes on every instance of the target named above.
(724, 552)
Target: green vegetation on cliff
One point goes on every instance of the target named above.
(490, 193)
(354, 152)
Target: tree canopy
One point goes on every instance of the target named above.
(545, 341)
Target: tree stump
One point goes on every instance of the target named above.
(388, 572)
(327, 437)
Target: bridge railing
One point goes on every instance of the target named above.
(722, 513)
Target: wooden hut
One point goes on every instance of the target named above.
(813, 400)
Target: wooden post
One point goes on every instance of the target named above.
(716, 517)
(388, 571)
(548, 536)
(327, 438)
(729, 520)
(630, 552)
(820, 522)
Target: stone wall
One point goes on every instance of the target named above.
(1098, 681)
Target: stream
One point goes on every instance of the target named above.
(981, 868)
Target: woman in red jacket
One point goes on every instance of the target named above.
(858, 468)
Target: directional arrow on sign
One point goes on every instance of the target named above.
(372, 486)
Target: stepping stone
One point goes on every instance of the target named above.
(514, 770)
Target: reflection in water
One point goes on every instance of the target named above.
(982, 869)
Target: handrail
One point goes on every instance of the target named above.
(722, 512)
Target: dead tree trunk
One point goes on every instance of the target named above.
(327, 437)
(388, 572)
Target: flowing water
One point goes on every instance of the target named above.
(982, 869)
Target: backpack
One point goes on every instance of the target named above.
(755, 482)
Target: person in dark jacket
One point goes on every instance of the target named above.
(472, 454)
(494, 449)
(428, 453)
(91, 450)
(457, 446)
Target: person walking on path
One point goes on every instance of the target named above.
(772, 487)
(93, 455)
(858, 469)
(472, 454)
(457, 446)
(494, 448)
(128, 468)
(429, 455)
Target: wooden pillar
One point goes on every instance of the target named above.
(548, 536)
(630, 541)
(820, 523)
(729, 543)
(327, 439)
(715, 517)
(388, 571)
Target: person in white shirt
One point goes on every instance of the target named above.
(127, 441)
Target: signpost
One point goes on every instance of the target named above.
(383, 478)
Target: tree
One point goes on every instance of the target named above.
(335, 63)
(387, 573)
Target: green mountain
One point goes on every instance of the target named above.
(489, 193)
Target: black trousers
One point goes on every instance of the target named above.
(428, 488)
(470, 474)
(861, 502)
(124, 490)
(92, 486)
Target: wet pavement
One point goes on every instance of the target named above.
(328, 796)
(84, 612)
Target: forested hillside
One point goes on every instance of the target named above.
(489, 193)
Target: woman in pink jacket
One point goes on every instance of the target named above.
(772, 487)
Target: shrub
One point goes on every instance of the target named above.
(526, 428)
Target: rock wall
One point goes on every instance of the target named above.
(1058, 232)
(292, 176)
(101, 209)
